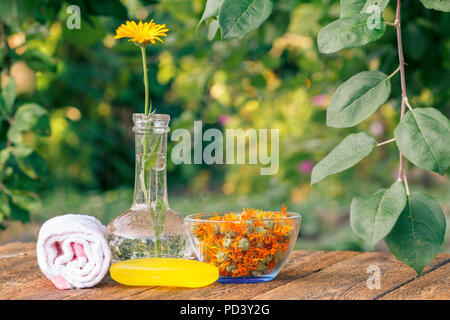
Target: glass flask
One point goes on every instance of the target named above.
(150, 228)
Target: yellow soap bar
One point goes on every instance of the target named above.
(164, 272)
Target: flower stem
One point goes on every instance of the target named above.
(145, 145)
(144, 66)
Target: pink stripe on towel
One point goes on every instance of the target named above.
(78, 250)
(60, 282)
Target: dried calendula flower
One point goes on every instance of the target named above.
(222, 256)
(227, 242)
(246, 243)
(231, 267)
(268, 224)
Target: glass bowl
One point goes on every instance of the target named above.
(245, 251)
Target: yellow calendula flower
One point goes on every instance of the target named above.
(143, 33)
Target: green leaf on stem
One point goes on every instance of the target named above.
(9, 96)
(14, 136)
(5, 209)
(13, 13)
(349, 32)
(372, 217)
(382, 4)
(239, 17)
(355, 7)
(31, 117)
(441, 5)
(356, 99)
(349, 152)
(419, 232)
(18, 213)
(212, 8)
(29, 161)
(351, 7)
(212, 29)
(24, 200)
(38, 61)
(423, 137)
(159, 216)
(4, 155)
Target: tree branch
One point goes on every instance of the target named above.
(401, 59)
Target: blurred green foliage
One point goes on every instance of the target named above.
(91, 84)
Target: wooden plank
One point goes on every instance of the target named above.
(117, 291)
(348, 279)
(301, 264)
(14, 249)
(431, 286)
(307, 275)
(16, 264)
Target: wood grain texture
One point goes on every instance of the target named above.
(300, 264)
(348, 279)
(306, 275)
(433, 285)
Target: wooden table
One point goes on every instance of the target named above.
(307, 275)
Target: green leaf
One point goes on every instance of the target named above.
(357, 98)
(151, 158)
(382, 4)
(9, 95)
(39, 61)
(212, 29)
(14, 136)
(4, 155)
(239, 17)
(372, 217)
(348, 32)
(419, 232)
(351, 7)
(442, 5)
(211, 9)
(5, 210)
(29, 161)
(349, 152)
(25, 200)
(19, 214)
(3, 111)
(159, 216)
(13, 13)
(31, 117)
(423, 137)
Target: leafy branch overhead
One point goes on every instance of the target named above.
(413, 225)
(20, 116)
(19, 163)
(235, 18)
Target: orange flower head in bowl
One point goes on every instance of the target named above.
(143, 33)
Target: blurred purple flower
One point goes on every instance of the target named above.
(320, 100)
(377, 128)
(224, 119)
(306, 166)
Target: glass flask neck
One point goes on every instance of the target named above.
(150, 187)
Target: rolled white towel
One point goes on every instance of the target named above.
(72, 251)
